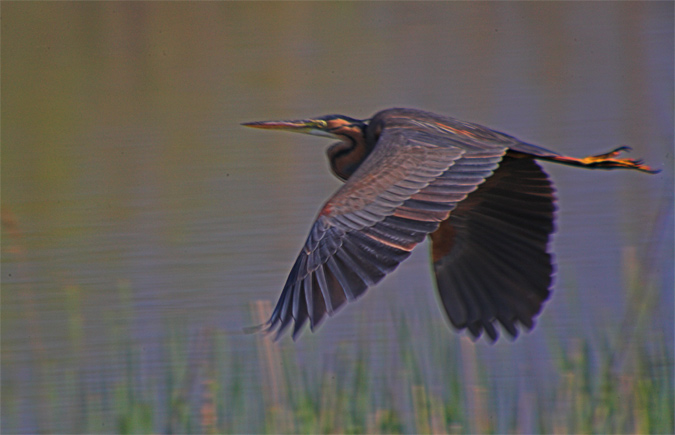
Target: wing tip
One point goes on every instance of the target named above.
(512, 329)
(249, 330)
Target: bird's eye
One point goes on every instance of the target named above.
(322, 124)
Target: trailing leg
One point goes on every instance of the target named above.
(603, 161)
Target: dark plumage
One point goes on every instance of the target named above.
(479, 194)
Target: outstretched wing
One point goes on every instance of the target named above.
(402, 191)
(490, 256)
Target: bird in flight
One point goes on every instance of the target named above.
(479, 194)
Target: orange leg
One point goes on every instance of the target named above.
(605, 161)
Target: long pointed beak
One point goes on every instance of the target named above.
(301, 126)
(306, 126)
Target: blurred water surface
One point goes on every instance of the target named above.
(134, 204)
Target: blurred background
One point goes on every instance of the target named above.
(143, 227)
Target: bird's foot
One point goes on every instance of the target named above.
(609, 161)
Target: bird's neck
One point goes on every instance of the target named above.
(346, 156)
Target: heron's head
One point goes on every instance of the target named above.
(346, 155)
(332, 126)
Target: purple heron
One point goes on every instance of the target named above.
(487, 206)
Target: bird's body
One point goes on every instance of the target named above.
(478, 194)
